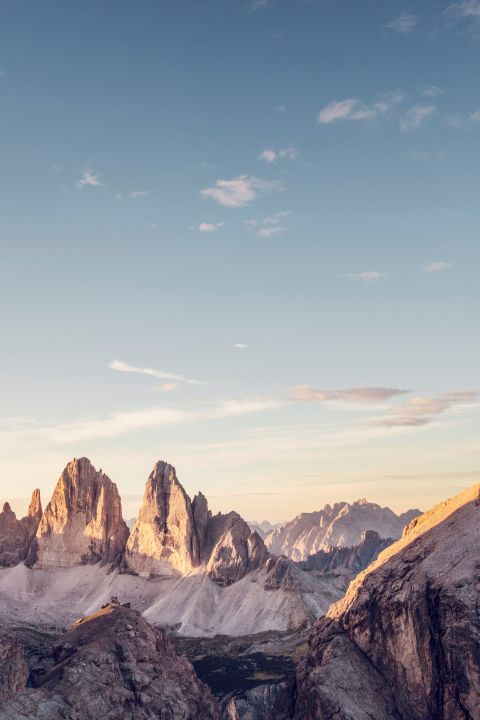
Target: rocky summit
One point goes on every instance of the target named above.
(340, 525)
(112, 664)
(173, 534)
(83, 521)
(16, 536)
(403, 644)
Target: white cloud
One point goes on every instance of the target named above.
(422, 410)
(362, 395)
(403, 23)
(415, 116)
(266, 232)
(240, 191)
(356, 109)
(232, 408)
(475, 116)
(137, 194)
(89, 179)
(121, 366)
(271, 225)
(466, 9)
(433, 268)
(240, 346)
(206, 227)
(367, 276)
(431, 91)
(270, 156)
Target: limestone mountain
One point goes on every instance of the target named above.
(83, 521)
(403, 644)
(16, 536)
(173, 534)
(340, 525)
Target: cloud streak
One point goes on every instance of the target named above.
(124, 367)
(434, 268)
(419, 411)
(361, 395)
(404, 23)
(415, 117)
(357, 110)
(240, 191)
(270, 156)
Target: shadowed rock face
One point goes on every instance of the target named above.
(354, 559)
(16, 536)
(404, 642)
(113, 664)
(173, 534)
(13, 668)
(83, 521)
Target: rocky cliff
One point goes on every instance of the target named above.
(83, 521)
(403, 644)
(173, 534)
(340, 525)
(16, 536)
(349, 559)
(112, 664)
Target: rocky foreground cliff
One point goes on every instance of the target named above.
(111, 664)
(404, 643)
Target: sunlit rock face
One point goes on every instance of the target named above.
(83, 521)
(163, 538)
(175, 535)
(16, 536)
(404, 641)
(339, 525)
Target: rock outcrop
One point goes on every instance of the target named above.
(339, 526)
(112, 664)
(83, 521)
(175, 535)
(352, 559)
(16, 536)
(403, 644)
(13, 668)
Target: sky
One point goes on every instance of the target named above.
(241, 236)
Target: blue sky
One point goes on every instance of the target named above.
(278, 200)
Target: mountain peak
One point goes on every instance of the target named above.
(83, 521)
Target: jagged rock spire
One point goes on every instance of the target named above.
(83, 521)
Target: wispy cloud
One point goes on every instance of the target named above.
(240, 191)
(367, 276)
(416, 116)
(420, 411)
(431, 91)
(361, 395)
(137, 194)
(270, 156)
(403, 23)
(240, 346)
(465, 9)
(433, 268)
(356, 109)
(271, 225)
(206, 227)
(124, 367)
(89, 179)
